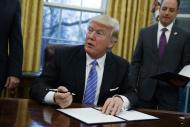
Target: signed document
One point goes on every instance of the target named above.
(90, 115)
(133, 115)
(94, 116)
(185, 71)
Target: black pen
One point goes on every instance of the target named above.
(56, 90)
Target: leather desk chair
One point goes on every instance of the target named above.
(50, 51)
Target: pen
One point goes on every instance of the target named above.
(56, 90)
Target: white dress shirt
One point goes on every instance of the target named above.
(99, 69)
(167, 33)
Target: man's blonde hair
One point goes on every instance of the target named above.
(108, 21)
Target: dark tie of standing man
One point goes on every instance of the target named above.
(162, 43)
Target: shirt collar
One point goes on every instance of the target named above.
(169, 27)
(100, 60)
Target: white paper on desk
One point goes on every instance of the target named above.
(90, 115)
(185, 71)
(133, 115)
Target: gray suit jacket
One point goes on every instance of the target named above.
(146, 61)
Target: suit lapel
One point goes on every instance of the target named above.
(173, 36)
(108, 79)
(153, 35)
(172, 40)
(80, 73)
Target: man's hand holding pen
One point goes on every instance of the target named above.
(62, 96)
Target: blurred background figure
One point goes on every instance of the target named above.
(155, 11)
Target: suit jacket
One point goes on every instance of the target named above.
(10, 40)
(69, 67)
(146, 61)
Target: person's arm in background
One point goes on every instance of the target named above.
(186, 51)
(135, 67)
(15, 50)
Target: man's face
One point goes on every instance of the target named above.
(168, 12)
(98, 39)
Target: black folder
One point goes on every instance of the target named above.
(172, 78)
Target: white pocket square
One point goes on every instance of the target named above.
(114, 89)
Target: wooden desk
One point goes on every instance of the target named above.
(28, 113)
(25, 83)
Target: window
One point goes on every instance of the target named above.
(65, 21)
(184, 7)
(183, 19)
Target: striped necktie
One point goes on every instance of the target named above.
(90, 92)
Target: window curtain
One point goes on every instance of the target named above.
(132, 16)
(32, 32)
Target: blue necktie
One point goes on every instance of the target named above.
(163, 42)
(90, 92)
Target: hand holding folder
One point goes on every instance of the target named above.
(177, 79)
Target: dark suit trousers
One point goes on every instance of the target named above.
(165, 98)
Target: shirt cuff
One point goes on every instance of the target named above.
(126, 103)
(49, 98)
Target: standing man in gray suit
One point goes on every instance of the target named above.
(11, 46)
(160, 48)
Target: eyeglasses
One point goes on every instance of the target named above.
(98, 33)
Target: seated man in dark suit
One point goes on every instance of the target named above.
(72, 70)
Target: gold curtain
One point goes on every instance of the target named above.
(132, 16)
(32, 32)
